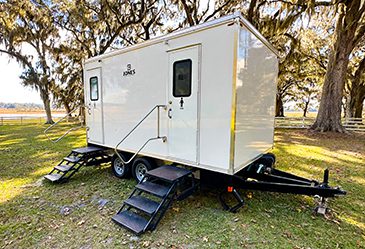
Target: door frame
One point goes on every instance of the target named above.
(169, 88)
(88, 102)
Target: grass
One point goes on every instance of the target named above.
(36, 214)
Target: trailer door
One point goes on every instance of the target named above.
(94, 103)
(183, 95)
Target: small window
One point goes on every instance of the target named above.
(94, 90)
(182, 78)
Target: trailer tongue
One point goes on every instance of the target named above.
(261, 176)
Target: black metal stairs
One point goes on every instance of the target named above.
(151, 198)
(86, 156)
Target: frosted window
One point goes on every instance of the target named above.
(94, 89)
(182, 78)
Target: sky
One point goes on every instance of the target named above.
(10, 88)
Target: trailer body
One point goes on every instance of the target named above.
(217, 81)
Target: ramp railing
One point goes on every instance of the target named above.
(158, 107)
(46, 131)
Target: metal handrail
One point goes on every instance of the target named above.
(60, 120)
(135, 127)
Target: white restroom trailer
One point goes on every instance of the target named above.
(215, 83)
(202, 97)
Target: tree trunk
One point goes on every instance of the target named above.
(279, 109)
(348, 32)
(82, 115)
(47, 106)
(347, 106)
(329, 113)
(359, 102)
(357, 96)
(67, 108)
(305, 109)
(359, 110)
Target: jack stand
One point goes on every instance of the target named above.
(322, 203)
(321, 207)
(236, 195)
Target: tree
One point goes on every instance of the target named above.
(356, 95)
(349, 30)
(91, 28)
(29, 23)
(305, 93)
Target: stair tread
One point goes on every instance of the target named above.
(72, 159)
(87, 149)
(169, 173)
(153, 188)
(53, 177)
(131, 221)
(63, 168)
(142, 203)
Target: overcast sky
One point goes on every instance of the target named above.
(10, 88)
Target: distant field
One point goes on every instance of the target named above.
(300, 114)
(26, 111)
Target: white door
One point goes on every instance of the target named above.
(183, 92)
(94, 103)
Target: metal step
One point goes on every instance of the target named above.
(53, 177)
(72, 159)
(63, 168)
(88, 149)
(169, 173)
(153, 188)
(131, 220)
(142, 203)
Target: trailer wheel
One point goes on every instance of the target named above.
(140, 167)
(119, 169)
(263, 164)
(271, 157)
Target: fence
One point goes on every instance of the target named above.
(26, 119)
(351, 124)
(22, 120)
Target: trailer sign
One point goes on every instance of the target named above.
(129, 70)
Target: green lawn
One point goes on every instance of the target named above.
(36, 214)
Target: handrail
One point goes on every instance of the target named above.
(135, 127)
(60, 120)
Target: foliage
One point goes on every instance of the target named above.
(306, 33)
(29, 23)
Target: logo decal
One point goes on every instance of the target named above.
(129, 70)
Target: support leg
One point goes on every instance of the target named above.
(321, 207)
(236, 195)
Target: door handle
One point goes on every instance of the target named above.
(169, 113)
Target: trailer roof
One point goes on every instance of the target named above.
(189, 30)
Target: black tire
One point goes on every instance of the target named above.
(119, 169)
(270, 157)
(263, 164)
(140, 167)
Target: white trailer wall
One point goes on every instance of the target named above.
(257, 70)
(127, 99)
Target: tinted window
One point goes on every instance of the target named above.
(94, 90)
(182, 78)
